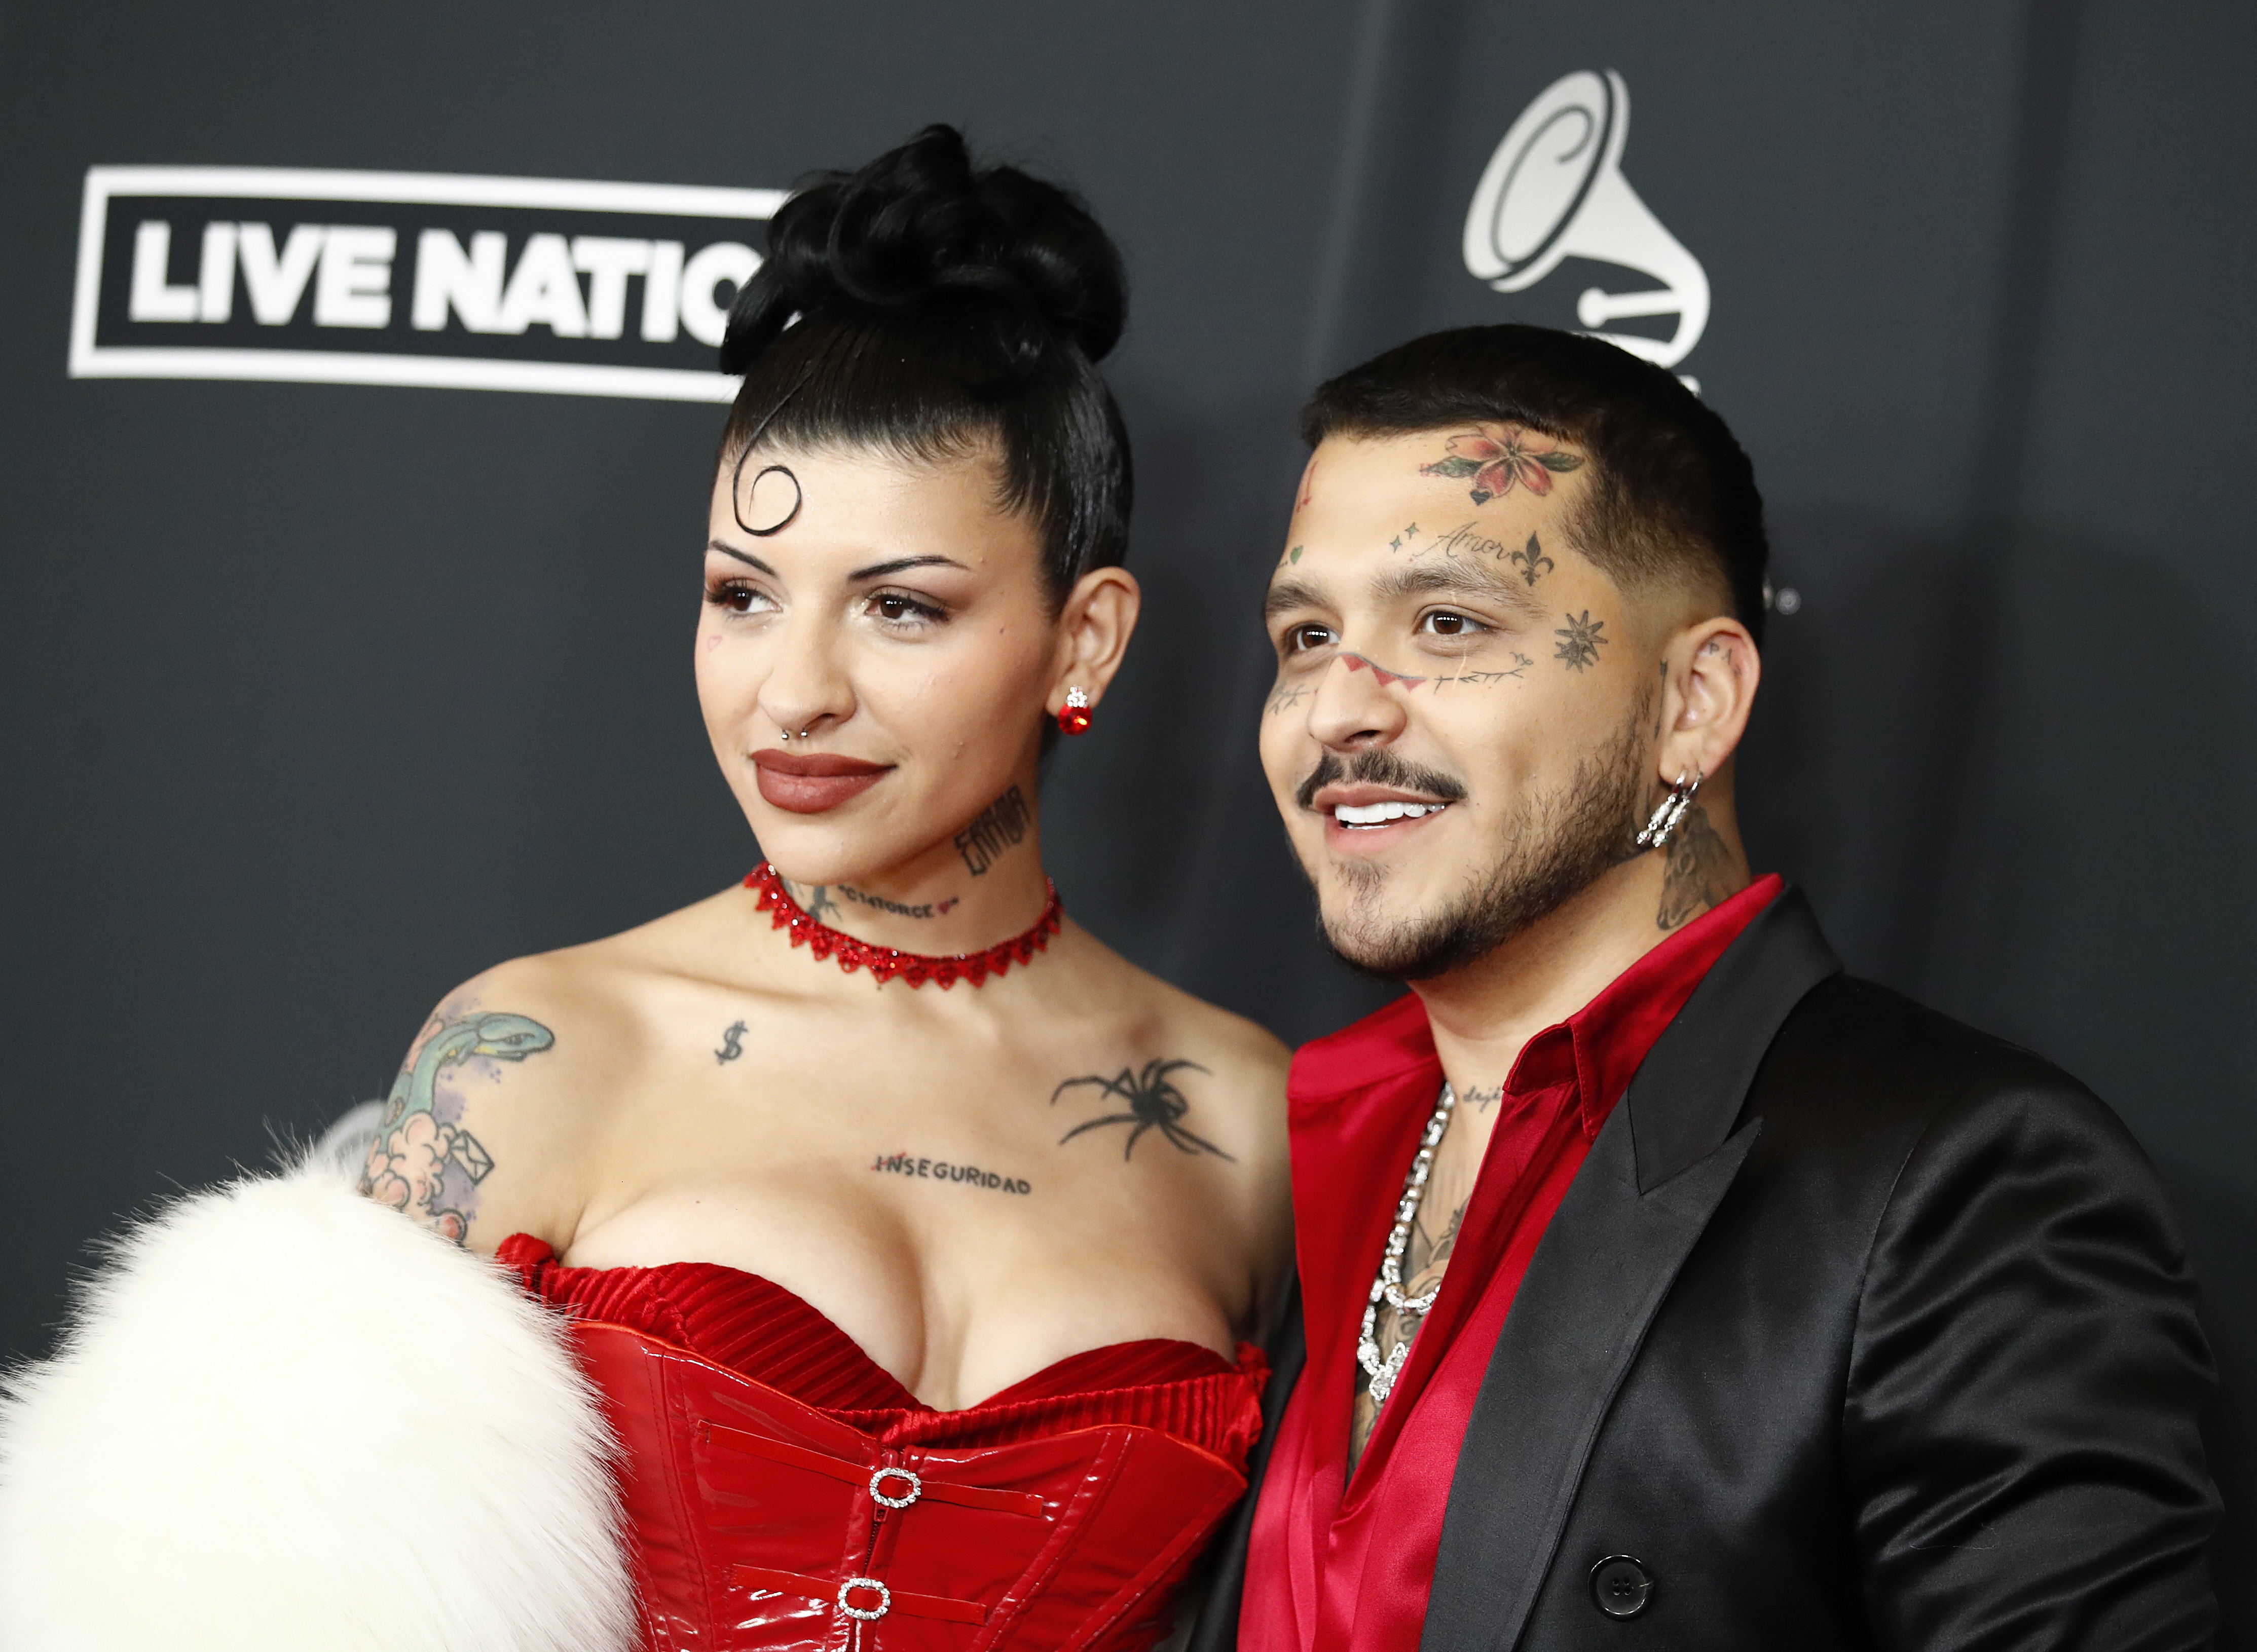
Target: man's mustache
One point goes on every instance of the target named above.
(1375, 766)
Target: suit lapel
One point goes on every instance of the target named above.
(1661, 1165)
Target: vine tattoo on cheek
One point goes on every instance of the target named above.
(1153, 1102)
(1001, 826)
(1482, 679)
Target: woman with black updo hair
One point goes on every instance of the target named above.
(911, 1242)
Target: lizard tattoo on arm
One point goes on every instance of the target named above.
(423, 1161)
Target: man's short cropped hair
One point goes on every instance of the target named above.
(1673, 499)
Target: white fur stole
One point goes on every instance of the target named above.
(287, 1419)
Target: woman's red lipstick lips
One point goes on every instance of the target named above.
(809, 782)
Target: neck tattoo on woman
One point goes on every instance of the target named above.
(887, 963)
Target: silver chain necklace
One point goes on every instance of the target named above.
(1388, 1286)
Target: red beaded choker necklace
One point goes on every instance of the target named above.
(886, 962)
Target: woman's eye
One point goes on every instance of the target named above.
(737, 597)
(1301, 639)
(896, 608)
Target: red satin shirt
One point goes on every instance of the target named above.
(1343, 1565)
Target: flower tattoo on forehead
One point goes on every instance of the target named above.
(1497, 456)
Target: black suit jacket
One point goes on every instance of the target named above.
(1858, 1328)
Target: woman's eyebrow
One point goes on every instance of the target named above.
(899, 564)
(746, 557)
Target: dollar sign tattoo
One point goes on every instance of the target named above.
(730, 1050)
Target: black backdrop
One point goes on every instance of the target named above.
(319, 698)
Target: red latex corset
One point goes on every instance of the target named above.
(1050, 1518)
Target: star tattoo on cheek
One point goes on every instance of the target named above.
(1580, 641)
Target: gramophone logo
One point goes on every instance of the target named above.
(1554, 190)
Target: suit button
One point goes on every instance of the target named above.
(1621, 1587)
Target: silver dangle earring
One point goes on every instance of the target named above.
(1669, 812)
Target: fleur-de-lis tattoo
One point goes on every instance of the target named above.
(1531, 560)
(1497, 456)
(1580, 641)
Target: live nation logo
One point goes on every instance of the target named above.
(435, 279)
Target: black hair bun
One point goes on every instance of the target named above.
(920, 235)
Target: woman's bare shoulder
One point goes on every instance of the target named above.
(511, 1075)
(1241, 1065)
(1251, 1050)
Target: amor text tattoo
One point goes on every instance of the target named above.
(1001, 826)
(732, 1045)
(1151, 1101)
(971, 1176)
(1580, 641)
(1697, 870)
(1466, 540)
(1499, 457)
(423, 1161)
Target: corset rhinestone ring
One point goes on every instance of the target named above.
(878, 1479)
(866, 1614)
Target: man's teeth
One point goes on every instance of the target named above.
(1380, 814)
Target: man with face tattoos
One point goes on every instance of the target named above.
(1660, 1283)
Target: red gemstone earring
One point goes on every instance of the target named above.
(1073, 716)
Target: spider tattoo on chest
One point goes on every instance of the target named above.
(1150, 1100)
